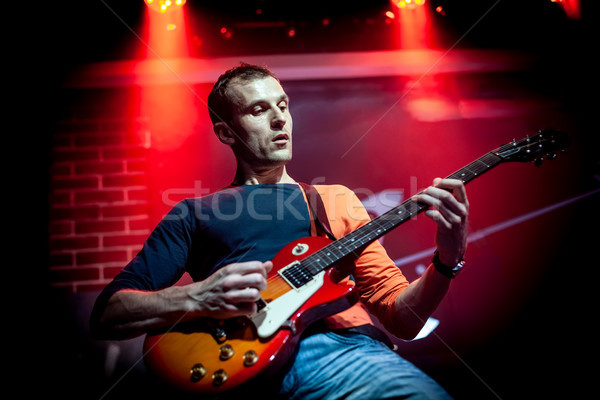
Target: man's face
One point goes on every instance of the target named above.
(261, 122)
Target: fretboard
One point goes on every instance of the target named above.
(352, 244)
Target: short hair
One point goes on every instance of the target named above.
(219, 103)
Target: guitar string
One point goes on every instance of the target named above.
(322, 259)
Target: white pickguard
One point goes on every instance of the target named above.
(276, 313)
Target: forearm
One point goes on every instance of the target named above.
(449, 209)
(418, 301)
(130, 313)
(230, 292)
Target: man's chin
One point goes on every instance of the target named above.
(282, 156)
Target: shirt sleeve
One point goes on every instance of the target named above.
(161, 261)
(379, 281)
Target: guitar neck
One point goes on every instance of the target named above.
(352, 244)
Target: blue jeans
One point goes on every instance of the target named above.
(351, 366)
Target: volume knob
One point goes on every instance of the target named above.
(219, 377)
(250, 358)
(197, 372)
(226, 352)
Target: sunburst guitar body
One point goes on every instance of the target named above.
(212, 356)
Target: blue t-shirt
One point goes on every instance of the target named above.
(201, 235)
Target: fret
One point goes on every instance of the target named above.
(476, 168)
(327, 255)
(480, 161)
(467, 174)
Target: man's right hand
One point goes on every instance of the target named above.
(230, 292)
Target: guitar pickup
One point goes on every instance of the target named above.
(296, 275)
(277, 312)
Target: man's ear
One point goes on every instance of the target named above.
(224, 133)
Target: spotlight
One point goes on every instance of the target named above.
(226, 33)
(571, 7)
(408, 3)
(164, 6)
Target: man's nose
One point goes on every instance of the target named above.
(279, 119)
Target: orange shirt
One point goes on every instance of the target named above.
(378, 280)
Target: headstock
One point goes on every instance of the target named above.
(545, 144)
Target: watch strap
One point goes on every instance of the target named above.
(449, 272)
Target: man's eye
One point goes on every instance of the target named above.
(257, 111)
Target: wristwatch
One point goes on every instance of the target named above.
(449, 272)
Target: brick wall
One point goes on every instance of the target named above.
(99, 200)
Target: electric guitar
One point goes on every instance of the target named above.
(208, 357)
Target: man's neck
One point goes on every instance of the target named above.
(245, 176)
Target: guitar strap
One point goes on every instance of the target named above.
(319, 217)
(317, 210)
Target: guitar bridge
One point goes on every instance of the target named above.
(274, 316)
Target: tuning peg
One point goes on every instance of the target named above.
(550, 156)
(538, 161)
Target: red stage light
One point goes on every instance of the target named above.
(571, 7)
(169, 109)
(414, 29)
(226, 32)
(164, 6)
(167, 32)
(408, 3)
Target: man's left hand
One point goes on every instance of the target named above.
(449, 210)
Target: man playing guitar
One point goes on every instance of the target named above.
(227, 240)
